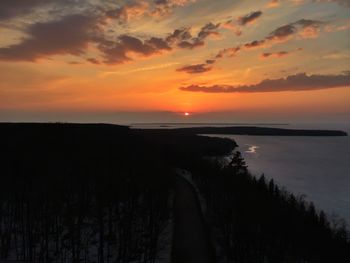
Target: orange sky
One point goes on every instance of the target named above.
(175, 56)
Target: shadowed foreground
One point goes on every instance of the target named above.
(94, 193)
(191, 240)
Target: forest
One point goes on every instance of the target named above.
(104, 193)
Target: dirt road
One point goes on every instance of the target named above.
(191, 242)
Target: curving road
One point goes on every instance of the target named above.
(191, 242)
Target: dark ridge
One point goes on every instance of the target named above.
(248, 130)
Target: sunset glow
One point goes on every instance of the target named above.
(102, 57)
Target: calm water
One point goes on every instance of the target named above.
(317, 167)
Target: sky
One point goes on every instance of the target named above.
(154, 60)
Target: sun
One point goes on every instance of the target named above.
(187, 114)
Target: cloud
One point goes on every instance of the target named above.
(93, 61)
(182, 34)
(342, 26)
(165, 7)
(14, 8)
(228, 52)
(305, 28)
(151, 8)
(73, 34)
(210, 61)
(235, 25)
(208, 65)
(249, 18)
(298, 82)
(255, 44)
(129, 11)
(278, 54)
(11, 9)
(195, 69)
(275, 54)
(276, 3)
(184, 39)
(118, 52)
(69, 35)
(209, 29)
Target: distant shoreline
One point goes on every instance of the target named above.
(208, 123)
(249, 130)
(232, 130)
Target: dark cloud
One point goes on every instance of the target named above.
(165, 7)
(274, 3)
(288, 30)
(117, 52)
(282, 32)
(208, 65)
(128, 11)
(74, 63)
(179, 35)
(236, 25)
(255, 44)
(279, 54)
(208, 30)
(93, 61)
(249, 18)
(69, 35)
(275, 54)
(195, 69)
(191, 44)
(124, 11)
(72, 35)
(14, 8)
(198, 68)
(299, 82)
(184, 39)
(305, 27)
(210, 61)
(229, 52)
(160, 2)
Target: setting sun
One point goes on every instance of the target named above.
(187, 114)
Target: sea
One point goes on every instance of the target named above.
(317, 168)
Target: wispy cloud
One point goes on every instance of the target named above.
(195, 69)
(160, 66)
(299, 82)
(236, 25)
(279, 54)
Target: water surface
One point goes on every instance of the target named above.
(317, 167)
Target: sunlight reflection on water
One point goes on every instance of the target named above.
(252, 148)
